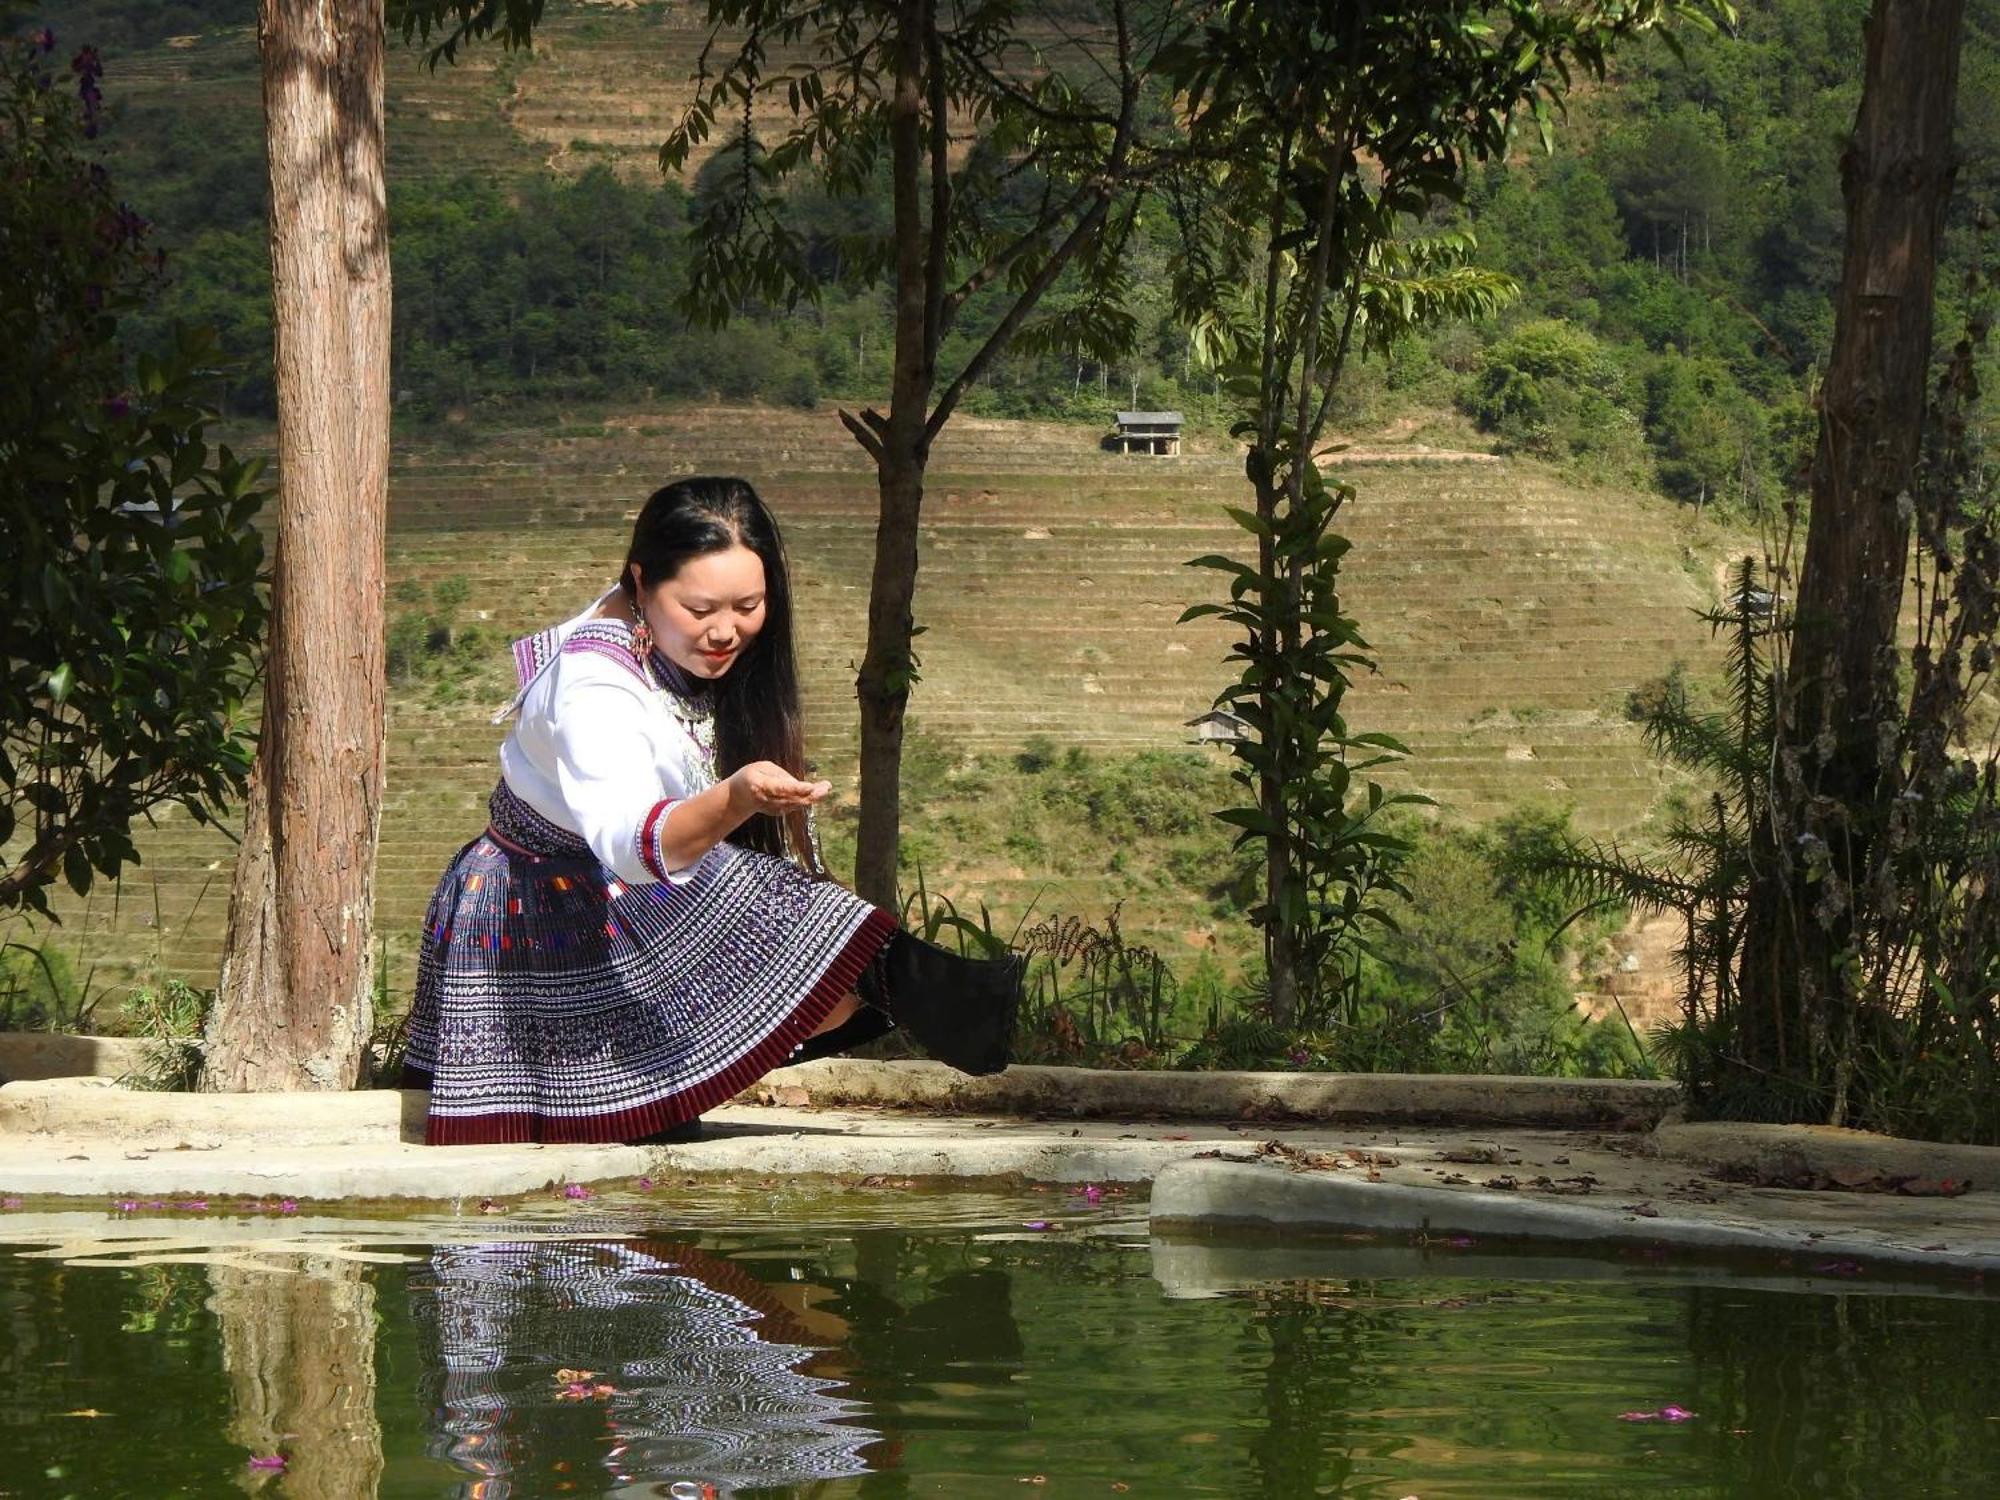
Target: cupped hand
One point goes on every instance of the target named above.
(767, 787)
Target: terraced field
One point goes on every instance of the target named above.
(603, 84)
(1511, 614)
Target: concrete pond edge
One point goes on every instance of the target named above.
(1204, 1198)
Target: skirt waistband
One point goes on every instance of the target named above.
(514, 825)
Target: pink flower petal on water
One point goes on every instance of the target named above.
(1664, 1414)
(268, 1461)
(1038, 1224)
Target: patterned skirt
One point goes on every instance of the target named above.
(556, 1003)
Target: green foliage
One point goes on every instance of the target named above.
(1095, 998)
(1294, 256)
(130, 592)
(170, 1016)
(39, 990)
(427, 645)
(1551, 389)
(1904, 1038)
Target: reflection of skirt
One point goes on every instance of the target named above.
(696, 1372)
(556, 1003)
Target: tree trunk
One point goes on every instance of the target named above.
(293, 1009)
(1896, 178)
(883, 685)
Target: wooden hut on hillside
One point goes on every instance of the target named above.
(1154, 432)
(1219, 727)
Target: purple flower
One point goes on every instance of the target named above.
(645, 1184)
(45, 40)
(1839, 1268)
(117, 408)
(194, 1205)
(1664, 1414)
(288, 1205)
(1038, 1224)
(10, 1202)
(576, 1190)
(269, 1461)
(1300, 1057)
(126, 1206)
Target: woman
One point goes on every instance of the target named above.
(645, 928)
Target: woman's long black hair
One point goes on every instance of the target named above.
(757, 713)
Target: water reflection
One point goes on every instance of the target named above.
(628, 1362)
(298, 1353)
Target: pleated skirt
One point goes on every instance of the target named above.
(557, 1003)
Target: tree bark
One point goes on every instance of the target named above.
(294, 1005)
(883, 685)
(1896, 178)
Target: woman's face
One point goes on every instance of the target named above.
(706, 615)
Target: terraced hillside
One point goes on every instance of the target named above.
(603, 84)
(1512, 615)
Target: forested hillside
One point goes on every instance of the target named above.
(1674, 251)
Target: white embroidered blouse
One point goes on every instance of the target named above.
(601, 750)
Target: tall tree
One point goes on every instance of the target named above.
(1013, 137)
(294, 1006)
(1323, 134)
(1841, 697)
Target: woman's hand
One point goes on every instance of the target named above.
(766, 787)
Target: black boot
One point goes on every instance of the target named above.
(960, 1010)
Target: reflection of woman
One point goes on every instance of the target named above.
(658, 1362)
(645, 928)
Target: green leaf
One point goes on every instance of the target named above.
(76, 869)
(60, 682)
(1253, 820)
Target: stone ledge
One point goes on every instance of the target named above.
(1223, 1195)
(1084, 1093)
(97, 1105)
(33, 1055)
(1804, 1154)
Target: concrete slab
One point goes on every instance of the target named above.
(744, 1142)
(1590, 1198)
(1380, 1098)
(28, 1055)
(1806, 1155)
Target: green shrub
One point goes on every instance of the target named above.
(1551, 389)
(39, 990)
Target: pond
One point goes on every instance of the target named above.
(703, 1341)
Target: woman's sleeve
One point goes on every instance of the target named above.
(610, 779)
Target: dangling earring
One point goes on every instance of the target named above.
(642, 648)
